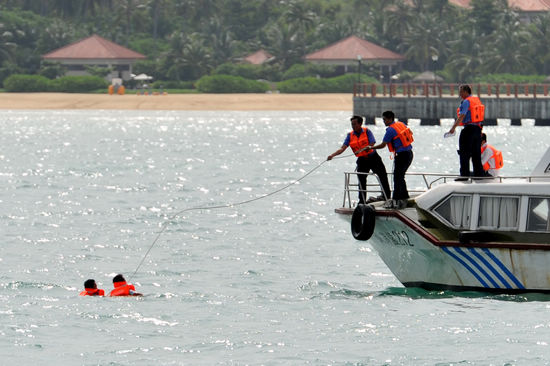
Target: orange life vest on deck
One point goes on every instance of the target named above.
(92, 292)
(404, 134)
(122, 289)
(358, 143)
(496, 155)
(477, 110)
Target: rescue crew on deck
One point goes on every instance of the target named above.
(491, 158)
(122, 288)
(359, 139)
(90, 289)
(399, 140)
(470, 114)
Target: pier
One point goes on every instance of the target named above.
(432, 102)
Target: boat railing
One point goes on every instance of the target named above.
(417, 183)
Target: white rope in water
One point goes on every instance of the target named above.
(227, 205)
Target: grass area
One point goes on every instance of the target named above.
(169, 91)
(135, 91)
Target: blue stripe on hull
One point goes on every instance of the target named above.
(504, 269)
(477, 266)
(491, 268)
(479, 272)
(459, 260)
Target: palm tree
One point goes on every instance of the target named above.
(509, 51)
(467, 55)
(283, 39)
(302, 18)
(7, 46)
(334, 31)
(399, 20)
(221, 40)
(189, 58)
(424, 40)
(540, 33)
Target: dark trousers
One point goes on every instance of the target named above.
(401, 163)
(372, 162)
(469, 145)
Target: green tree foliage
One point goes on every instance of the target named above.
(187, 39)
(230, 84)
(247, 71)
(67, 84)
(26, 83)
(78, 84)
(51, 70)
(339, 84)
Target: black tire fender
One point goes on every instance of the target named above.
(362, 222)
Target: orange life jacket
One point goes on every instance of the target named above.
(495, 154)
(477, 110)
(92, 292)
(358, 143)
(404, 134)
(122, 289)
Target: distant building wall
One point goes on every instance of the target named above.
(121, 68)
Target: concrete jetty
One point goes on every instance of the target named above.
(430, 108)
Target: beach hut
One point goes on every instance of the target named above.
(427, 77)
(258, 58)
(353, 51)
(96, 51)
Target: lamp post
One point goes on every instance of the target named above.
(434, 59)
(359, 58)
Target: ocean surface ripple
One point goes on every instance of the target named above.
(277, 281)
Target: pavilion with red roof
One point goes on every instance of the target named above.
(526, 8)
(259, 57)
(95, 51)
(354, 50)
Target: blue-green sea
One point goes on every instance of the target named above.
(277, 281)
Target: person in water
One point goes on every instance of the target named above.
(122, 288)
(90, 289)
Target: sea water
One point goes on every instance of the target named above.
(277, 281)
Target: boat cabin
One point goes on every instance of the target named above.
(500, 206)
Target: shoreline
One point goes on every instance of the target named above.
(191, 102)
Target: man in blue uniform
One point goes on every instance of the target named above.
(469, 143)
(398, 138)
(359, 139)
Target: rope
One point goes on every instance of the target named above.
(227, 205)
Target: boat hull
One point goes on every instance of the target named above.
(417, 261)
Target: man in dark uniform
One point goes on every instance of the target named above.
(358, 140)
(469, 143)
(398, 139)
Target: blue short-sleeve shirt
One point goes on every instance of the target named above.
(389, 139)
(372, 140)
(465, 109)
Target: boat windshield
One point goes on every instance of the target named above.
(538, 216)
(456, 210)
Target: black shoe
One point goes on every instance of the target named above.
(461, 179)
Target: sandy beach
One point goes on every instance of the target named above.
(289, 102)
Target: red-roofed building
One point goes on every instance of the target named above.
(354, 50)
(527, 8)
(259, 57)
(530, 8)
(95, 51)
(461, 3)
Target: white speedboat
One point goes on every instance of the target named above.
(489, 235)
